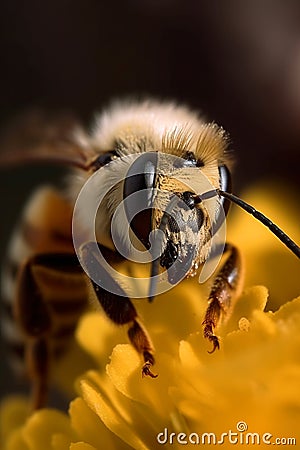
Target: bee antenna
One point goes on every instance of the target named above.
(285, 239)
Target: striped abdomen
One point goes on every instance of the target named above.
(44, 291)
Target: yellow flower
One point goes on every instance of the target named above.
(254, 378)
(247, 391)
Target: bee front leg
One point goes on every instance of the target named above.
(222, 293)
(117, 305)
(141, 341)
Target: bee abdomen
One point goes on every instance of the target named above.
(13, 338)
(42, 244)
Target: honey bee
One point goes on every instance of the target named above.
(167, 172)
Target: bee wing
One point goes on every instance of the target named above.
(40, 137)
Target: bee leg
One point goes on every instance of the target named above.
(141, 341)
(117, 305)
(33, 317)
(37, 308)
(223, 290)
(38, 357)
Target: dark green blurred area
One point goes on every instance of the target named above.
(237, 61)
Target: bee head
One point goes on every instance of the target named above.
(166, 215)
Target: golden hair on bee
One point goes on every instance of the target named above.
(212, 144)
(178, 140)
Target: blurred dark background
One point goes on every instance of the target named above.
(236, 61)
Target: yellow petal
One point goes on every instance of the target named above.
(125, 373)
(60, 441)
(288, 311)
(15, 441)
(42, 425)
(84, 446)
(13, 413)
(89, 428)
(97, 335)
(117, 415)
(252, 299)
(188, 355)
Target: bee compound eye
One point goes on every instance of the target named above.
(140, 179)
(104, 158)
(225, 185)
(141, 173)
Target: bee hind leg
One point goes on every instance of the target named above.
(116, 303)
(39, 308)
(33, 317)
(222, 294)
(38, 355)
